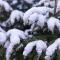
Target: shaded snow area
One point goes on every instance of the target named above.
(24, 23)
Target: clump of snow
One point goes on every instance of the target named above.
(41, 21)
(36, 17)
(16, 15)
(28, 48)
(6, 44)
(52, 4)
(33, 18)
(3, 38)
(9, 50)
(57, 41)
(13, 32)
(40, 46)
(6, 6)
(51, 23)
(15, 36)
(36, 10)
(52, 48)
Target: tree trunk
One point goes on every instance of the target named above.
(55, 7)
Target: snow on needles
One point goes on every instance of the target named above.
(32, 18)
(52, 48)
(38, 10)
(16, 15)
(15, 36)
(3, 38)
(52, 4)
(41, 21)
(6, 6)
(50, 51)
(40, 46)
(51, 23)
(36, 17)
(28, 48)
